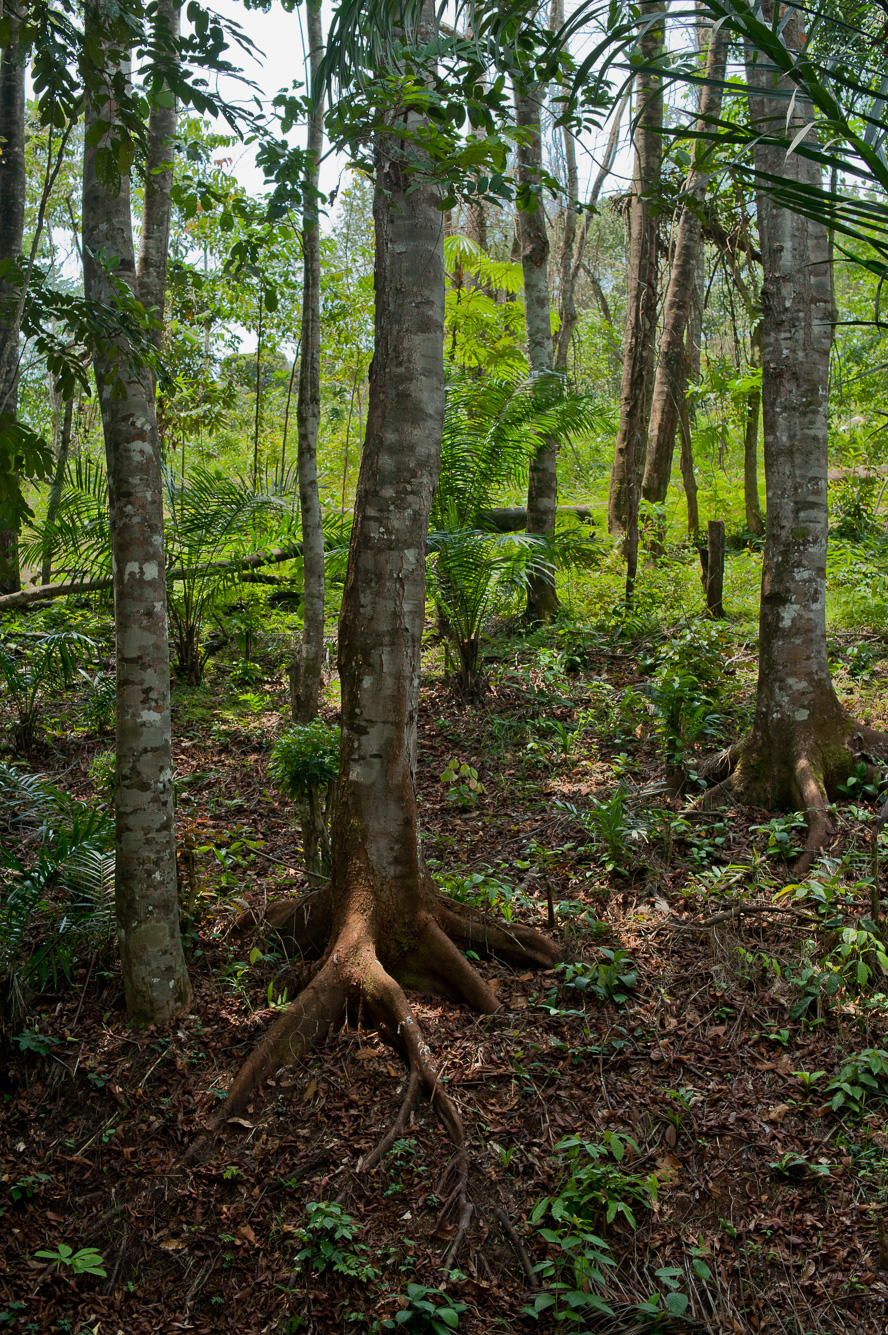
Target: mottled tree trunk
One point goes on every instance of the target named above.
(754, 520)
(307, 669)
(671, 381)
(154, 972)
(380, 923)
(641, 305)
(802, 743)
(155, 243)
(542, 486)
(12, 226)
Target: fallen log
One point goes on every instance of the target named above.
(73, 586)
(513, 519)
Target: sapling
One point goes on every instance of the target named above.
(305, 766)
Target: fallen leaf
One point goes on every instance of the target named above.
(525, 978)
(242, 1121)
(495, 984)
(312, 1089)
(246, 1233)
(671, 1135)
(364, 1054)
(391, 1070)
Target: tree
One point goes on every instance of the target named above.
(307, 670)
(155, 243)
(670, 384)
(380, 924)
(542, 486)
(641, 306)
(154, 973)
(803, 743)
(12, 226)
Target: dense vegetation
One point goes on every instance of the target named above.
(531, 849)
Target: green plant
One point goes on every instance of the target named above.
(781, 832)
(30, 1040)
(426, 1310)
(685, 690)
(26, 1187)
(462, 784)
(304, 764)
(103, 772)
(86, 1261)
(328, 1241)
(864, 1076)
(31, 673)
(65, 899)
(481, 890)
(613, 825)
(610, 979)
(491, 428)
(99, 706)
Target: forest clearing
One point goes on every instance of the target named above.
(444, 714)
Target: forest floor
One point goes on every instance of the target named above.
(693, 1076)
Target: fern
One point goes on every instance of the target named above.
(66, 899)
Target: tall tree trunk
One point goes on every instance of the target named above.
(573, 242)
(380, 920)
(58, 480)
(159, 172)
(802, 743)
(671, 380)
(754, 520)
(307, 669)
(542, 487)
(12, 226)
(641, 305)
(154, 973)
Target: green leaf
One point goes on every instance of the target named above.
(677, 1303)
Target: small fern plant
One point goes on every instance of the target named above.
(305, 766)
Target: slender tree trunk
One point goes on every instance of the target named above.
(671, 380)
(380, 920)
(571, 261)
(754, 520)
(641, 306)
(162, 118)
(802, 743)
(307, 669)
(154, 972)
(12, 226)
(58, 480)
(542, 488)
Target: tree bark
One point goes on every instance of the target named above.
(542, 487)
(803, 743)
(670, 384)
(379, 924)
(154, 973)
(159, 172)
(641, 305)
(12, 226)
(58, 479)
(307, 669)
(754, 521)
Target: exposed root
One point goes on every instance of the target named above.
(397, 1128)
(804, 780)
(316, 1012)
